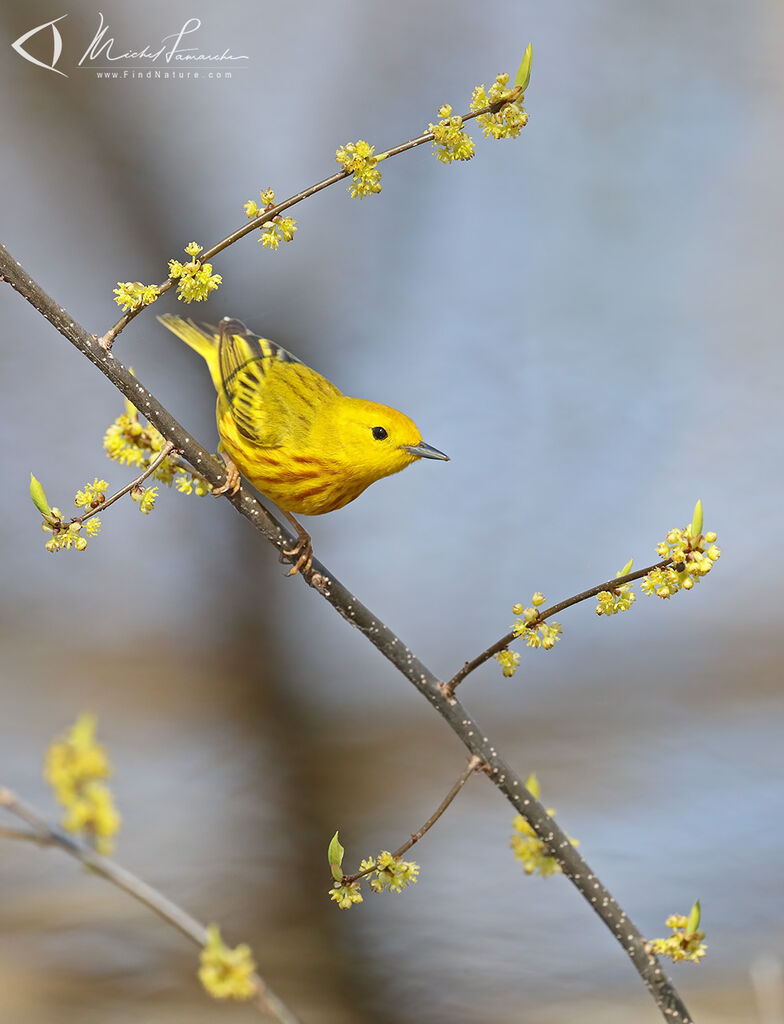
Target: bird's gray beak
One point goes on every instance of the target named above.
(425, 451)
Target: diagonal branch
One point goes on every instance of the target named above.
(274, 211)
(474, 765)
(44, 834)
(388, 643)
(163, 454)
(448, 689)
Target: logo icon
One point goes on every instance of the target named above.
(57, 45)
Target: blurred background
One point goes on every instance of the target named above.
(588, 321)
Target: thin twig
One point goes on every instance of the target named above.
(448, 689)
(384, 639)
(167, 450)
(274, 211)
(474, 764)
(19, 833)
(47, 835)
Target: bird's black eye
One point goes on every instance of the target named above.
(380, 434)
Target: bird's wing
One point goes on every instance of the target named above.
(272, 394)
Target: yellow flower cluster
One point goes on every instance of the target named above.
(145, 497)
(130, 295)
(69, 535)
(536, 634)
(75, 766)
(195, 280)
(545, 634)
(693, 555)
(528, 848)
(127, 442)
(610, 602)
(185, 485)
(280, 229)
(252, 208)
(509, 661)
(358, 158)
(450, 140)
(345, 895)
(685, 943)
(660, 582)
(224, 972)
(92, 495)
(132, 442)
(508, 120)
(391, 872)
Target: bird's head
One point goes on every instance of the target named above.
(379, 440)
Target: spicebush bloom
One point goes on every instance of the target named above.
(509, 119)
(391, 872)
(224, 972)
(75, 766)
(685, 943)
(345, 895)
(359, 159)
(450, 140)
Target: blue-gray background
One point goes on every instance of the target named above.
(587, 320)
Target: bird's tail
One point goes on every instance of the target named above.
(203, 340)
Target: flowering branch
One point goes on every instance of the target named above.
(448, 689)
(167, 450)
(271, 212)
(67, 533)
(47, 835)
(474, 764)
(388, 643)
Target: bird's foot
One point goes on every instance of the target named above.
(233, 479)
(302, 552)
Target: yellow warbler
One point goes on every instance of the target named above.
(290, 432)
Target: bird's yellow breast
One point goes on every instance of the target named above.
(298, 478)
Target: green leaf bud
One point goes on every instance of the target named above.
(523, 76)
(39, 498)
(694, 918)
(335, 858)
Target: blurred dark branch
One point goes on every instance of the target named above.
(474, 765)
(47, 835)
(273, 211)
(448, 689)
(387, 642)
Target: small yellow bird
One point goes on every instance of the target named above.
(291, 433)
